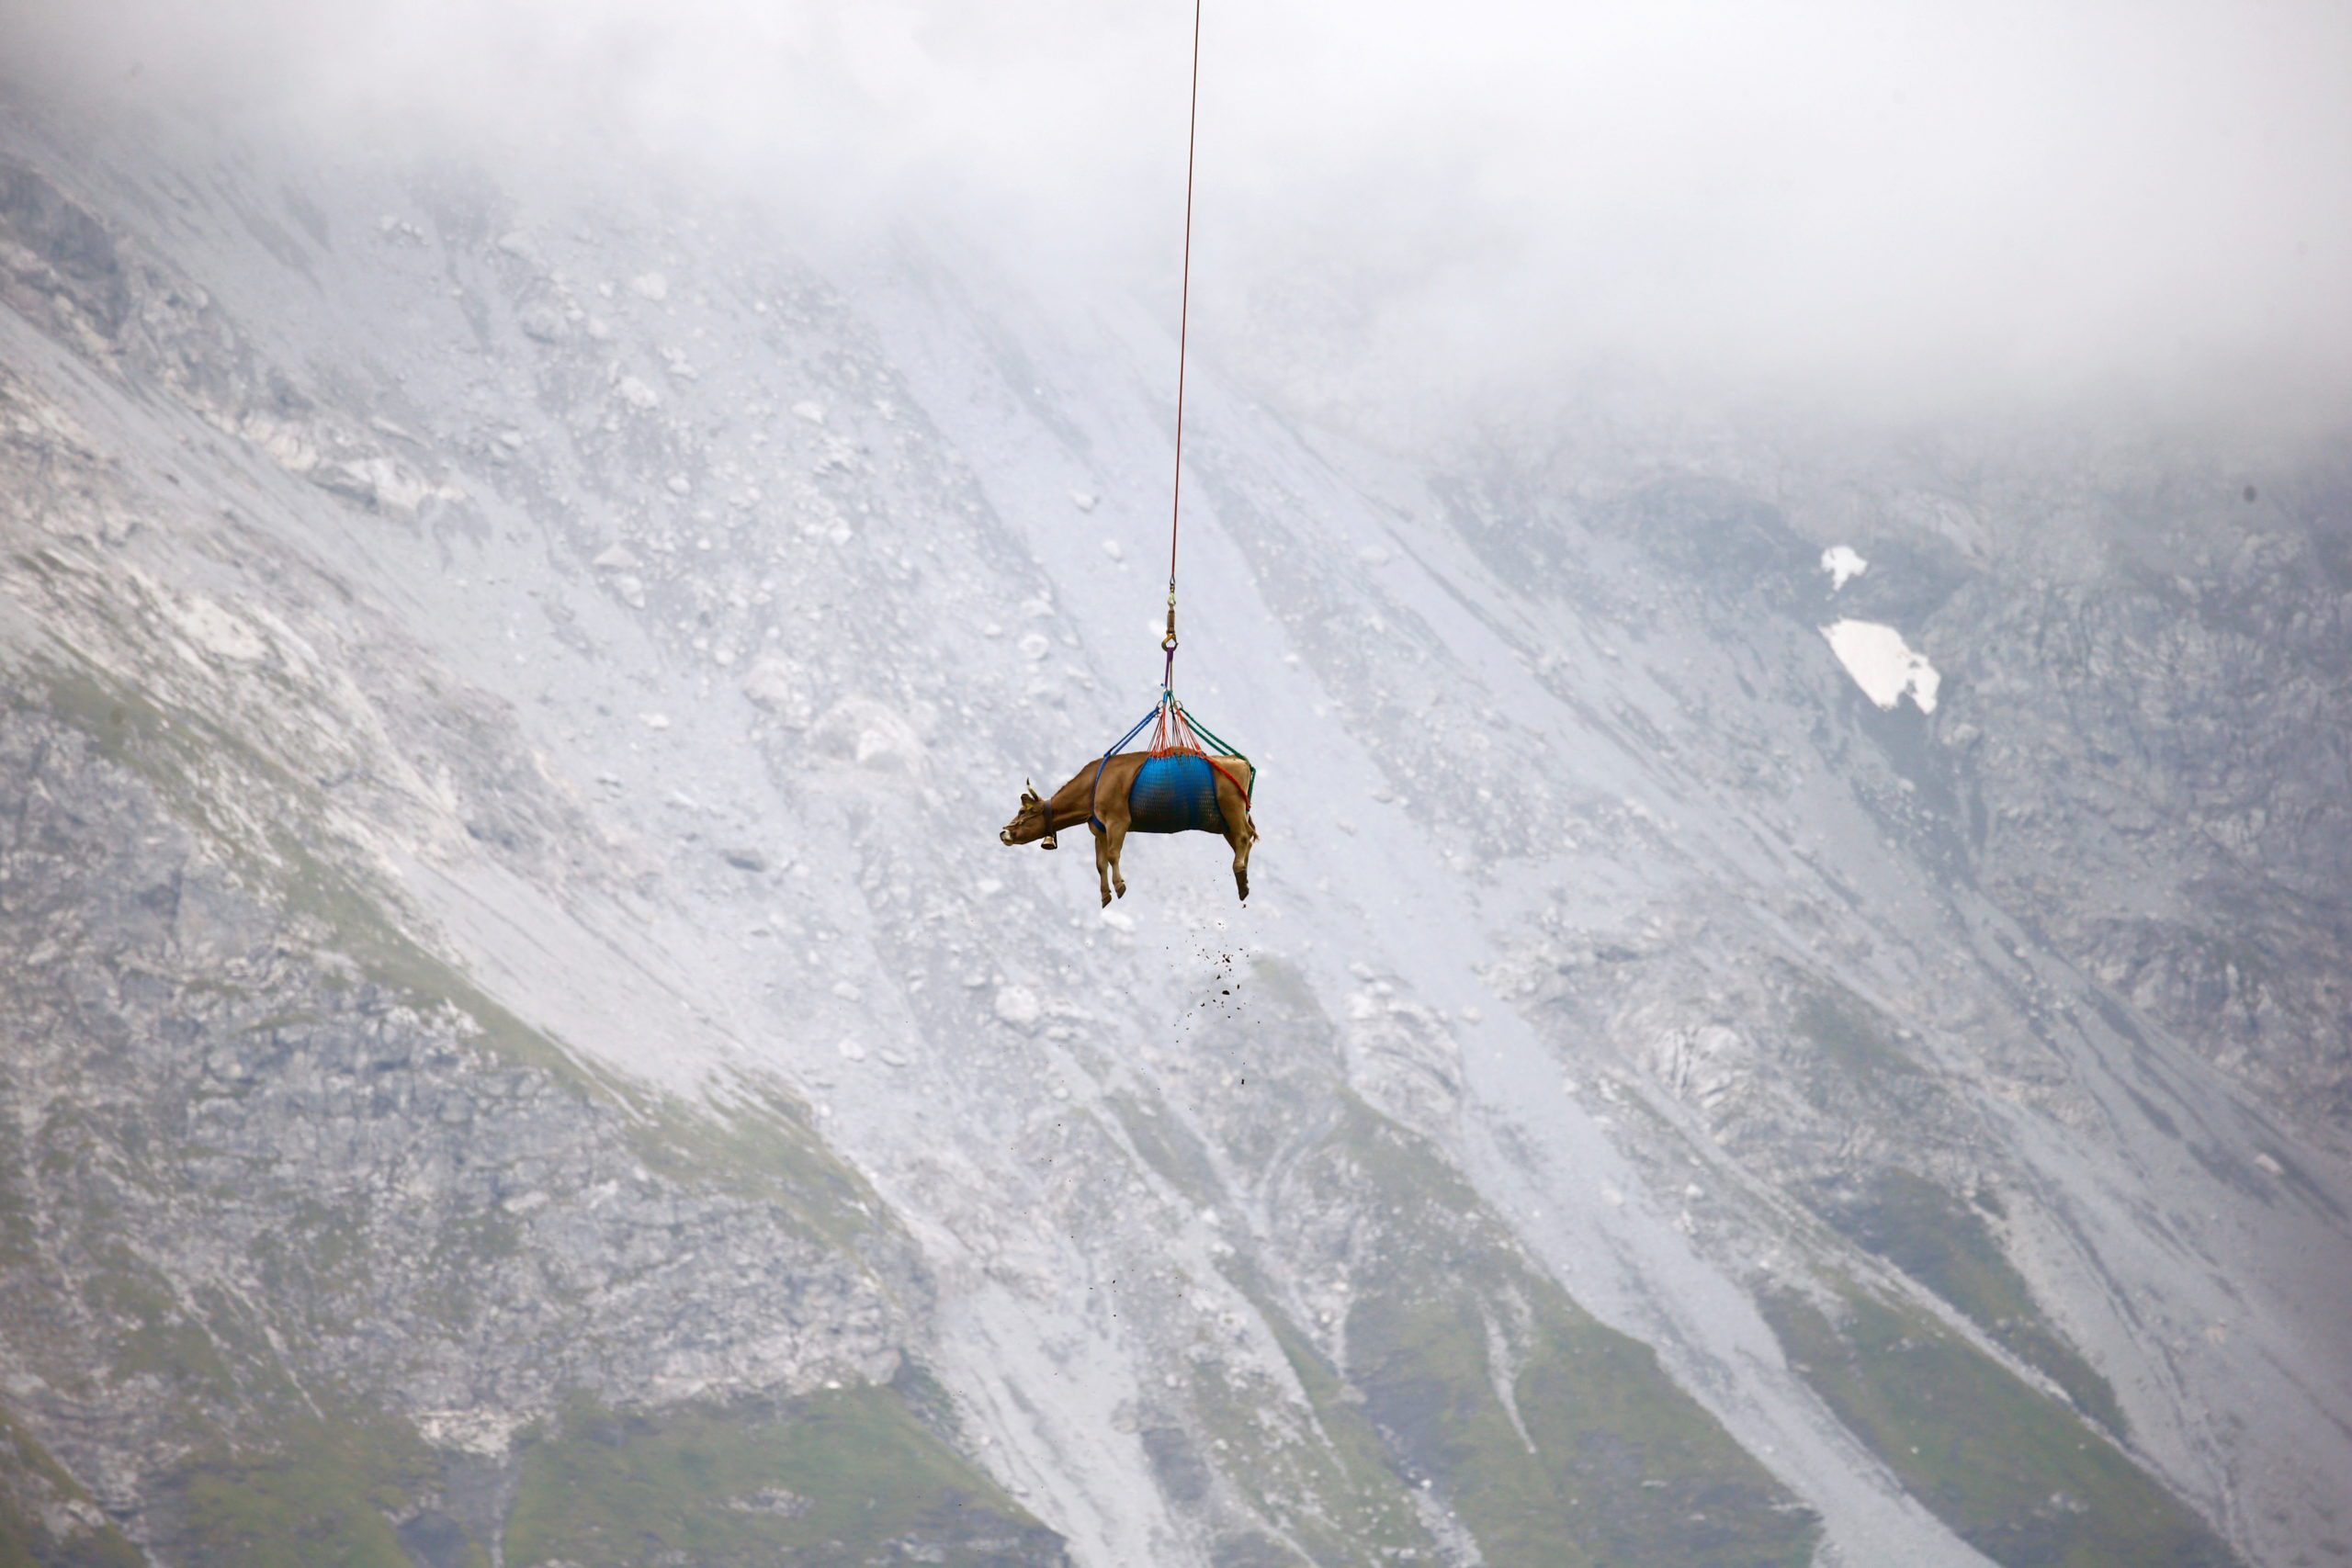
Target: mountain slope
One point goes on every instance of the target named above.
(524, 1043)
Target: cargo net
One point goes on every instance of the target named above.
(1179, 738)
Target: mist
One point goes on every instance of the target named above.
(1419, 215)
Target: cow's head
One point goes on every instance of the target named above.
(1028, 824)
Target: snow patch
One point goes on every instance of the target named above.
(1843, 564)
(649, 286)
(1884, 666)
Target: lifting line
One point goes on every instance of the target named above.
(1175, 731)
(1183, 332)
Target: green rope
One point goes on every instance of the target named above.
(1225, 747)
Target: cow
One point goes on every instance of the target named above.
(1180, 791)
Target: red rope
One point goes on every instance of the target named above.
(1183, 333)
(1172, 736)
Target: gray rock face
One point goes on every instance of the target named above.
(2160, 780)
(243, 1173)
(521, 1041)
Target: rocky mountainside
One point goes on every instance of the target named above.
(524, 1047)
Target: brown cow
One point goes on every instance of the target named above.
(1079, 801)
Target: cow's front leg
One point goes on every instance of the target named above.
(1118, 839)
(1103, 862)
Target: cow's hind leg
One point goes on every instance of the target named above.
(1233, 807)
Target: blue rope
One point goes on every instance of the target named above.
(1094, 819)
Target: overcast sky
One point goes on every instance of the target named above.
(2141, 208)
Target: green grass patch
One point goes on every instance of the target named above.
(1853, 1045)
(1937, 1240)
(839, 1477)
(323, 1498)
(19, 1227)
(34, 1488)
(1336, 1497)
(1424, 1372)
(1556, 1439)
(1608, 1423)
(154, 1337)
(1364, 1498)
(2011, 1470)
(1607, 1461)
(1169, 1148)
